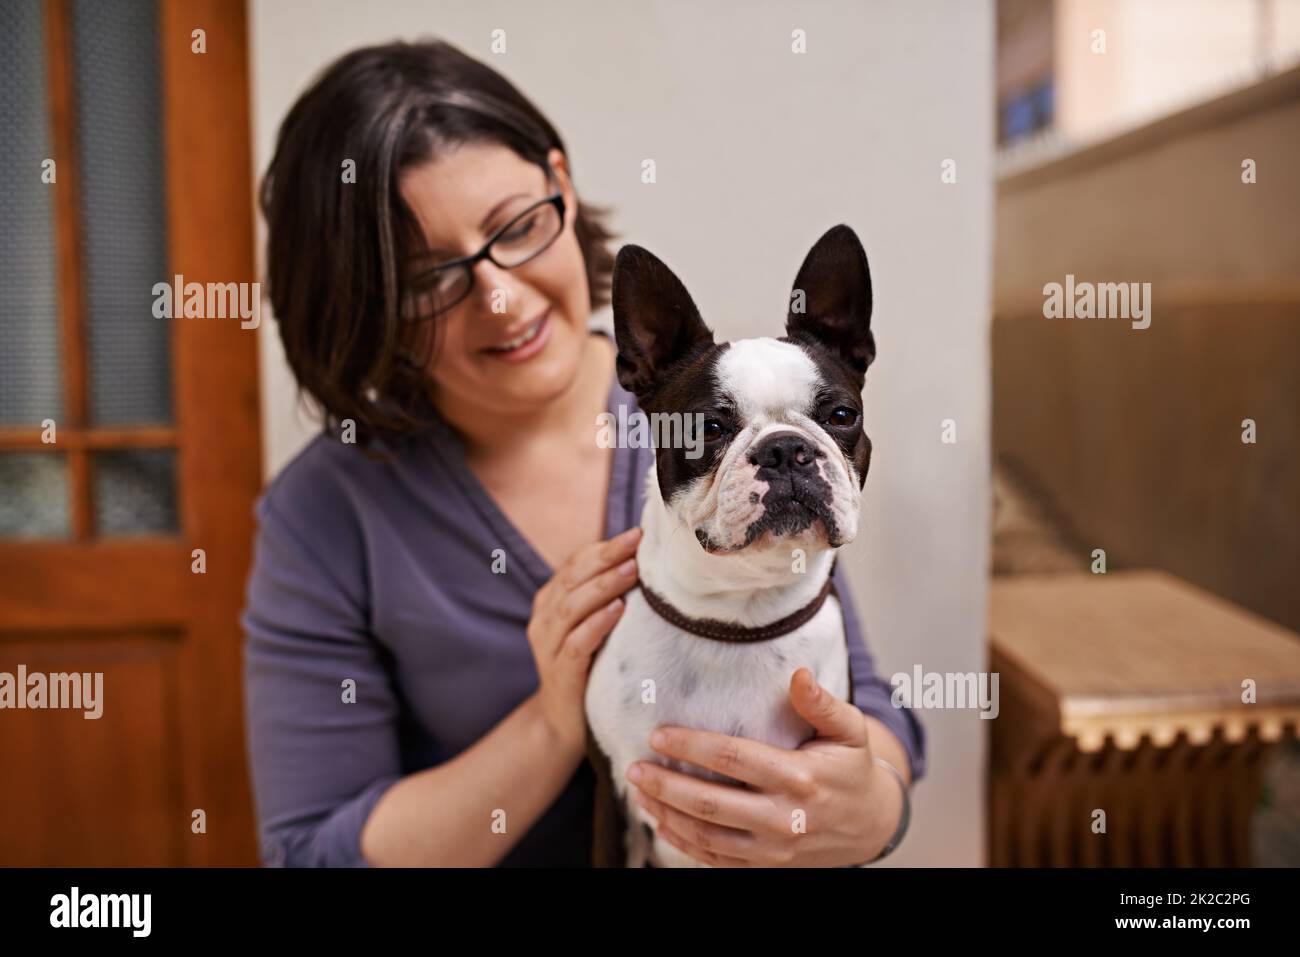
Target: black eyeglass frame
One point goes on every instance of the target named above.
(469, 262)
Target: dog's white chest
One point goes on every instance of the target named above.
(650, 673)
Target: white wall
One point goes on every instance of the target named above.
(1162, 56)
(758, 152)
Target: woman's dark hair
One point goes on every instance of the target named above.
(336, 249)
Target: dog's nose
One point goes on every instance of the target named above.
(784, 452)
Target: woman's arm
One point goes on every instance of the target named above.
(323, 740)
(896, 735)
(445, 816)
(528, 759)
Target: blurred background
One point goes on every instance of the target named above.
(1133, 139)
(1103, 515)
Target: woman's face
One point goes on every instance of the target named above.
(461, 200)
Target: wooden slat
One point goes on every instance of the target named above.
(1138, 653)
(81, 513)
(1188, 804)
(63, 133)
(1025, 304)
(109, 585)
(98, 440)
(1162, 727)
(207, 152)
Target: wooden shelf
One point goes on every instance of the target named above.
(1121, 693)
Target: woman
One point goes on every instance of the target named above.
(435, 571)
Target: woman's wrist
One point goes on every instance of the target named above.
(567, 740)
(885, 794)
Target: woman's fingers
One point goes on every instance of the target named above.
(763, 766)
(556, 609)
(573, 614)
(583, 642)
(722, 804)
(722, 841)
(594, 594)
(591, 560)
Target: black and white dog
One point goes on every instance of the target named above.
(739, 542)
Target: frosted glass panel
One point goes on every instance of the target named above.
(135, 493)
(119, 134)
(33, 495)
(31, 388)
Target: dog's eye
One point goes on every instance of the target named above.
(713, 430)
(843, 416)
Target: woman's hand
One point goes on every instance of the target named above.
(824, 804)
(573, 613)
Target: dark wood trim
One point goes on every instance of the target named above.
(208, 158)
(96, 440)
(53, 586)
(1231, 108)
(1180, 294)
(63, 133)
(81, 513)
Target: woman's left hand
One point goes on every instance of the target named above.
(823, 804)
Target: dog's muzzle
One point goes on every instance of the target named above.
(780, 485)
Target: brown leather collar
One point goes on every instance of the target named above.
(727, 631)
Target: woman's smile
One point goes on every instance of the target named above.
(528, 343)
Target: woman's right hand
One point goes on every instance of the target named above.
(573, 613)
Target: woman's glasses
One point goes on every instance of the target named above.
(525, 237)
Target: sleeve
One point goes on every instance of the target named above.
(872, 693)
(319, 761)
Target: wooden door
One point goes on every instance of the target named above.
(129, 444)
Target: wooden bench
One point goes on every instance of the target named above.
(1123, 693)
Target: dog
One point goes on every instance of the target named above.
(739, 541)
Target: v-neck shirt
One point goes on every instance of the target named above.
(622, 505)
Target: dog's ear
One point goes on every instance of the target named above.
(655, 322)
(831, 299)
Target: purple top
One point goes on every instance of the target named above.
(382, 572)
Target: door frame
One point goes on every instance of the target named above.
(138, 584)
